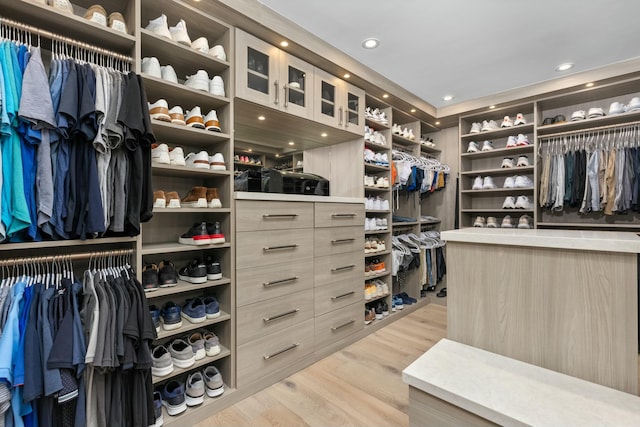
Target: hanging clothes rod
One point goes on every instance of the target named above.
(63, 257)
(53, 36)
(590, 130)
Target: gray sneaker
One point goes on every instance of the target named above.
(197, 344)
(181, 353)
(213, 380)
(211, 343)
(162, 363)
(194, 393)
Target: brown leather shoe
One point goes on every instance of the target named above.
(213, 199)
(159, 200)
(117, 22)
(197, 198)
(173, 199)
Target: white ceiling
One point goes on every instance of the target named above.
(472, 48)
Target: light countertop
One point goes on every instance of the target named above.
(509, 392)
(602, 241)
(244, 195)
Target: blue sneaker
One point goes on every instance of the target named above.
(173, 398)
(155, 316)
(157, 409)
(212, 307)
(170, 316)
(406, 299)
(194, 311)
(398, 302)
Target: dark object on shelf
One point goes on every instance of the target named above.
(442, 293)
(276, 181)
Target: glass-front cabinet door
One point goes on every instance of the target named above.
(257, 70)
(354, 109)
(296, 82)
(328, 108)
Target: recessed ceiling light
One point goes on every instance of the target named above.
(437, 123)
(323, 134)
(370, 43)
(249, 150)
(589, 84)
(277, 155)
(447, 97)
(564, 67)
(491, 107)
(261, 118)
(386, 95)
(346, 75)
(292, 143)
(413, 110)
(284, 43)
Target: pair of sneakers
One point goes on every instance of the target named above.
(521, 202)
(473, 146)
(485, 126)
(518, 181)
(518, 141)
(508, 163)
(198, 271)
(507, 122)
(98, 14)
(376, 115)
(203, 233)
(162, 154)
(376, 204)
(202, 160)
(197, 310)
(176, 395)
(159, 110)
(485, 183)
(161, 275)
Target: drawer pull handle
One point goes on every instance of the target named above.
(284, 350)
(280, 282)
(339, 241)
(267, 216)
(279, 316)
(350, 322)
(343, 215)
(346, 267)
(279, 248)
(348, 294)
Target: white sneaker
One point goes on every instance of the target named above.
(379, 138)
(479, 222)
(198, 81)
(218, 52)
(477, 183)
(211, 122)
(475, 127)
(507, 163)
(522, 202)
(506, 222)
(177, 115)
(194, 118)
(382, 118)
(216, 86)
(405, 133)
(595, 112)
(216, 162)
(512, 142)
(473, 147)
(617, 108)
(509, 182)
(523, 181)
(179, 33)
(578, 115)
(384, 205)
(151, 67)
(169, 74)
(634, 104)
(201, 44)
(509, 203)
(523, 161)
(176, 156)
(159, 26)
(395, 129)
(488, 183)
(524, 222)
(198, 161)
(520, 120)
(506, 122)
(411, 136)
(492, 222)
(159, 110)
(160, 154)
(376, 204)
(380, 182)
(523, 140)
(487, 146)
(489, 125)
(368, 203)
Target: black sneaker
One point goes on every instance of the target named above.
(195, 272)
(215, 233)
(379, 312)
(214, 271)
(150, 277)
(167, 274)
(197, 235)
(385, 309)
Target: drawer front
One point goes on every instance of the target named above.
(339, 214)
(263, 215)
(273, 281)
(338, 268)
(274, 351)
(337, 295)
(261, 318)
(256, 248)
(338, 240)
(339, 324)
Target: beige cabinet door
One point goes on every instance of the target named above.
(296, 83)
(328, 108)
(353, 108)
(257, 71)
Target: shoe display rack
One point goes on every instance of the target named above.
(489, 157)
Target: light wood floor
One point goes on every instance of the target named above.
(360, 385)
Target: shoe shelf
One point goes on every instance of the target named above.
(502, 132)
(253, 165)
(377, 189)
(183, 286)
(492, 191)
(406, 142)
(376, 276)
(406, 223)
(179, 94)
(373, 211)
(224, 352)
(185, 61)
(193, 415)
(588, 124)
(376, 147)
(188, 326)
(583, 225)
(430, 222)
(369, 232)
(167, 248)
(186, 171)
(500, 171)
(429, 150)
(375, 254)
(73, 26)
(498, 211)
(191, 210)
(170, 132)
(67, 243)
(373, 299)
(376, 125)
(370, 167)
(498, 152)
